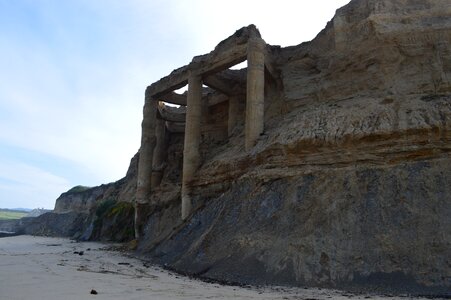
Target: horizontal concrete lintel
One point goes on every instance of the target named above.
(173, 98)
(221, 61)
(209, 66)
(177, 79)
(228, 53)
(174, 114)
(225, 85)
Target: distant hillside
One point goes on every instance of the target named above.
(9, 214)
(20, 209)
(37, 212)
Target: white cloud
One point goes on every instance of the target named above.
(32, 187)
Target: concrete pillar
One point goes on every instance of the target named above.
(148, 142)
(255, 93)
(234, 114)
(191, 154)
(159, 154)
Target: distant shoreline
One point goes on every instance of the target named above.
(7, 234)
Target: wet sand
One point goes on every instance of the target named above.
(52, 268)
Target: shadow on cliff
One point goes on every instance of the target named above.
(358, 229)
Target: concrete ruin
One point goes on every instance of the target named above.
(210, 82)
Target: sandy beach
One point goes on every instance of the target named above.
(52, 268)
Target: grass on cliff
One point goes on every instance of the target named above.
(114, 221)
(104, 207)
(6, 214)
(78, 189)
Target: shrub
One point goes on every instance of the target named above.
(120, 208)
(104, 206)
(78, 189)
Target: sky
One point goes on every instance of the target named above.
(73, 75)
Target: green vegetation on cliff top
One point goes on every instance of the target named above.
(6, 214)
(78, 189)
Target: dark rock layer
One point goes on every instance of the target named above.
(382, 228)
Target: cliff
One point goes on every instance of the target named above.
(103, 213)
(348, 187)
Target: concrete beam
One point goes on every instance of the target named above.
(173, 114)
(174, 98)
(177, 79)
(227, 53)
(220, 61)
(226, 84)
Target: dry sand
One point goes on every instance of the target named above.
(47, 268)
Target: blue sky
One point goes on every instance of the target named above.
(73, 75)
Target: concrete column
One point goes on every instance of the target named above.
(148, 142)
(234, 114)
(255, 93)
(160, 152)
(191, 154)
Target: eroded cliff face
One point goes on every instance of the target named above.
(85, 199)
(104, 212)
(377, 48)
(350, 184)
